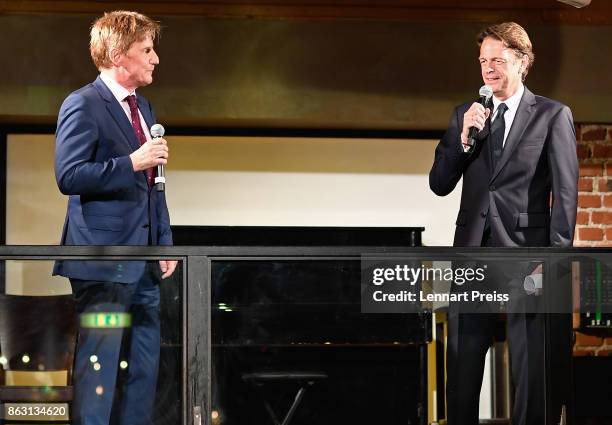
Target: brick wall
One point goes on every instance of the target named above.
(594, 219)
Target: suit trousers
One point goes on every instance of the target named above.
(469, 337)
(99, 351)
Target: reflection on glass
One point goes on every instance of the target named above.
(592, 288)
(39, 361)
(287, 330)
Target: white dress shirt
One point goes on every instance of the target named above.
(120, 94)
(512, 103)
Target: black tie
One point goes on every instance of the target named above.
(498, 128)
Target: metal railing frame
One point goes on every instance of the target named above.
(196, 370)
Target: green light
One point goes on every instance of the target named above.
(106, 320)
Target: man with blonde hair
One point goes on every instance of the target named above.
(104, 162)
(519, 190)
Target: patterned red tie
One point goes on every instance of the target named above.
(138, 130)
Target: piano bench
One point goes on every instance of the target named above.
(301, 379)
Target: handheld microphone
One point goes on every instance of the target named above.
(485, 93)
(157, 132)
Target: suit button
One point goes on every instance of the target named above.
(492, 188)
(145, 226)
(483, 214)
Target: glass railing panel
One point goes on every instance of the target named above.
(86, 346)
(284, 329)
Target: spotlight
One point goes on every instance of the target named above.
(576, 3)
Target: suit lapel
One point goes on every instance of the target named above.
(118, 114)
(519, 124)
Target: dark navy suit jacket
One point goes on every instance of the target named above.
(109, 203)
(530, 196)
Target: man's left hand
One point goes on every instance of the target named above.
(167, 267)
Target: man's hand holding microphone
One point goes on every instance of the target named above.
(475, 117)
(150, 154)
(154, 153)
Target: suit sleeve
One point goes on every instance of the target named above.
(449, 160)
(563, 163)
(76, 142)
(164, 233)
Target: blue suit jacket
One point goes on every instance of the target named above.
(109, 203)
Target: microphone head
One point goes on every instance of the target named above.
(486, 92)
(157, 130)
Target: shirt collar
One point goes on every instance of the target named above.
(116, 89)
(512, 102)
